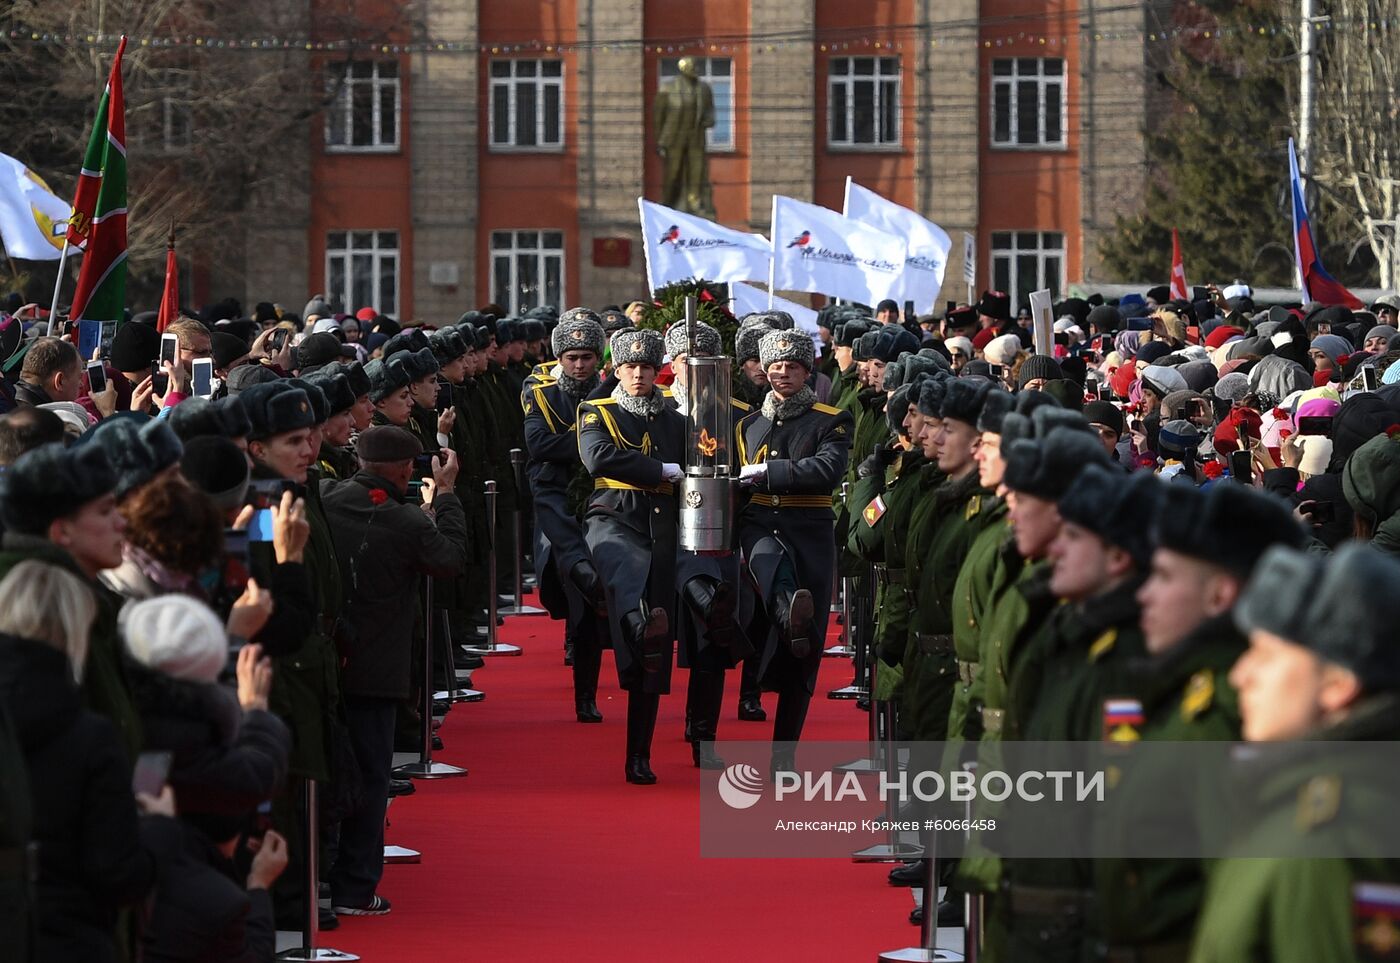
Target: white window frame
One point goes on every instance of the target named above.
(381, 256)
(511, 299)
(341, 110)
(1045, 247)
(511, 84)
(848, 80)
(1012, 82)
(704, 68)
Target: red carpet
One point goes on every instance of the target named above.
(543, 850)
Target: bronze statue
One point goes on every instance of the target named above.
(684, 111)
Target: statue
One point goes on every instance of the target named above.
(684, 111)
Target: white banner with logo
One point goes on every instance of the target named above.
(33, 220)
(928, 244)
(819, 250)
(681, 246)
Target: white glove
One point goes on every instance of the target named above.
(672, 472)
(750, 474)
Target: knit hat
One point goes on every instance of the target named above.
(1221, 335)
(217, 467)
(1038, 367)
(1178, 404)
(1199, 375)
(1178, 439)
(225, 349)
(387, 444)
(1312, 600)
(245, 376)
(176, 635)
(1317, 453)
(961, 345)
(1334, 346)
(579, 330)
(1230, 526)
(226, 418)
(386, 377)
(982, 338)
(996, 405)
(134, 347)
(277, 408)
(1163, 379)
(318, 349)
(52, 482)
(963, 400)
(1371, 478)
(708, 343)
(1275, 378)
(336, 389)
(1119, 511)
(1046, 467)
(1152, 352)
(1380, 331)
(1104, 413)
(1002, 350)
(785, 345)
(640, 347)
(748, 336)
(1105, 318)
(138, 448)
(1232, 387)
(320, 306)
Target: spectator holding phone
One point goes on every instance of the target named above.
(51, 371)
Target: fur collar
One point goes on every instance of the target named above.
(777, 409)
(576, 390)
(641, 407)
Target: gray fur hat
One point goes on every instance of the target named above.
(707, 340)
(746, 341)
(777, 320)
(787, 346)
(639, 346)
(578, 330)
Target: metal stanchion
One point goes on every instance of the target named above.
(893, 851)
(861, 636)
(492, 647)
(309, 951)
(842, 587)
(425, 768)
(451, 695)
(927, 951)
(972, 931)
(517, 464)
(875, 762)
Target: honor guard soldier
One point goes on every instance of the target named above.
(793, 453)
(569, 584)
(710, 639)
(1322, 668)
(632, 443)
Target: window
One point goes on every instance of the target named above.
(527, 104)
(527, 269)
(863, 95)
(1026, 261)
(718, 72)
(1028, 102)
(364, 114)
(362, 269)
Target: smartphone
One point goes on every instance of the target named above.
(1198, 408)
(260, 528)
(1242, 467)
(1315, 425)
(151, 773)
(202, 377)
(97, 377)
(423, 465)
(266, 492)
(909, 314)
(109, 331)
(89, 338)
(169, 344)
(444, 396)
(1322, 512)
(1105, 392)
(236, 544)
(998, 371)
(949, 307)
(160, 383)
(1368, 378)
(278, 339)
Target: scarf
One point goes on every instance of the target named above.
(641, 407)
(777, 409)
(576, 390)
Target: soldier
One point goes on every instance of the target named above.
(1322, 666)
(474, 414)
(1208, 543)
(502, 389)
(333, 459)
(792, 453)
(569, 584)
(711, 641)
(631, 444)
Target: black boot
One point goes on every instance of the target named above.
(750, 708)
(704, 696)
(713, 604)
(641, 723)
(648, 631)
(587, 710)
(585, 579)
(791, 612)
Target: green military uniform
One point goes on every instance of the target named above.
(972, 600)
(845, 390)
(335, 462)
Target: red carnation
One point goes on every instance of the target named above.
(1212, 469)
(706, 296)
(1393, 432)
(1280, 414)
(1342, 360)
(378, 495)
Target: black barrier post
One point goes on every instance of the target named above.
(309, 952)
(517, 520)
(425, 768)
(492, 647)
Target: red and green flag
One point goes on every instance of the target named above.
(98, 224)
(170, 296)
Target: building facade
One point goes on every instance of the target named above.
(493, 150)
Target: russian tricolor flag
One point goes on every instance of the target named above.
(1318, 285)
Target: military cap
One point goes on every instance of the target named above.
(963, 400)
(137, 447)
(926, 360)
(387, 443)
(578, 330)
(543, 313)
(641, 346)
(335, 388)
(777, 320)
(746, 341)
(1230, 526)
(708, 343)
(930, 403)
(847, 332)
(615, 321)
(1046, 467)
(472, 318)
(995, 407)
(52, 482)
(508, 330)
(226, 418)
(217, 467)
(320, 404)
(412, 340)
(386, 377)
(419, 364)
(447, 345)
(1119, 510)
(277, 408)
(786, 345)
(889, 342)
(893, 375)
(318, 349)
(355, 376)
(1315, 601)
(864, 347)
(476, 338)
(243, 377)
(532, 329)
(898, 406)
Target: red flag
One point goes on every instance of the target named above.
(170, 297)
(1179, 289)
(98, 223)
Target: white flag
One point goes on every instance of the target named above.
(928, 243)
(749, 299)
(815, 249)
(33, 220)
(682, 246)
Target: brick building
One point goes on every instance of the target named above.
(499, 154)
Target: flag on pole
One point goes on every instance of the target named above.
(170, 297)
(681, 246)
(928, 244)
(819, 250)
(1317, 284)
(749, 300)
(98, 224)
(33, 219)
(1179, 289)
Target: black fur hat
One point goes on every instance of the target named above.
(1046, 467)
(963, 401)
(277, 408)
(1121, 510)
(226, 418)
(137, 447)
(1228, 525)
(335, 387)
(53, 482)
(995, 407)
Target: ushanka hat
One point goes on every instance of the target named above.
(320, 406)
(419, 364)
(579, 329)
(1230, 526)
(1120, 510)
(277, 408)
(995, 407)
(930, 403)
(53, 482)
(386, 377)
(447, 345)
(777, 320)
(355, 375)
(963, 400)
(640, 346)
(707, 340)
(746, 341)
(1046, 467)
(336, 389)
(793, 346)
(138, 448)
(226, 418)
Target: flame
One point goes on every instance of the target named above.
(708, 444)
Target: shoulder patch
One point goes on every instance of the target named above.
(1318, 801)
(741, 405)
(601, 401)
(1103, 645)
(1200, 692)
(974, 507)
(873, 512)
(825, 409)
(1376, 909)
(1122, 720)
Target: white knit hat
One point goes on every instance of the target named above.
(176, 635)
(961, 345)
(1317, 453)
(1002, 350)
